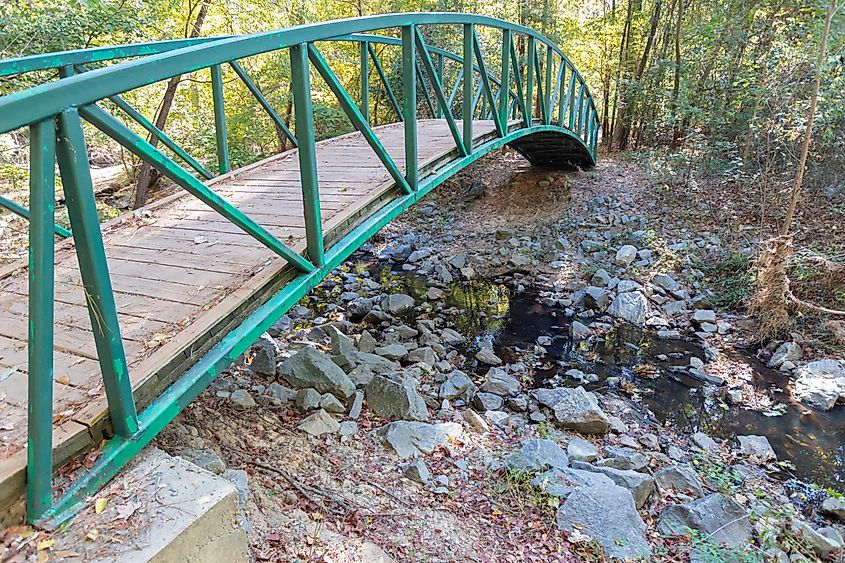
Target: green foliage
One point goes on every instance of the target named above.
(732, 278)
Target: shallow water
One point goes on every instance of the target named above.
(484, 311)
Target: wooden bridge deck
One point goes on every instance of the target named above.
(182, 275)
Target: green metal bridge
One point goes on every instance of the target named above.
(110, 332)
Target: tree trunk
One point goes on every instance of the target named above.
(676, 83)
(629, 112)
(145, 174)
(808, 131)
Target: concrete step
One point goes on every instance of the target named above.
(179, 513)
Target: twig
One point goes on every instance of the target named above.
(812, 307)
(307, 491)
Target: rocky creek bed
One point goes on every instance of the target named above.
(538, 373)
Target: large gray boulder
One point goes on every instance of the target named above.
(389, 398)
(680, 478)
(631, 306)
(309, 368)
(413, 438)
(641, 485)
(537, 455)
(576, 409)
(397, 303)
(721, 519)
(821, 383)
(456, 385)
(561, 482)
(608, 515)
(499, 382)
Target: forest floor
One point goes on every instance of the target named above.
(529, 274)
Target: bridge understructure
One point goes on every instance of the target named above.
(110, 332)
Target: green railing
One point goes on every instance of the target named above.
(537, 91)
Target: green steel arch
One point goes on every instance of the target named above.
(538, 101)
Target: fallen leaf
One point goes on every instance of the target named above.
(100, 505)
(92, 535)
(46, 544)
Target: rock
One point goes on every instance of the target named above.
(822, 545)
(388, 398)
(397, 303)
(631, 306)
(579, 331)
(348, 428)
(721, 519)
(281, 393)
(503, 233)
(412, 438)
(608, 515)
(626, 255)
(264, 360)
(537, 455)
(417, 471)
(240, 479)
(476, 421)
(241, 398)
(600, 279)
(366, 342)
(204, 458)
(484, 402)
(452, 337)
(596, 298)
(666, 282)
(580, 449)
(309, 368)
(423, 354)
(786, 352)
(520, 260)
(680, 478)
(650, 441)
(343, 351)
(835, 507)
(499, 382)
(625, 286)
(330, 403)
(307, 400)
(624, 458)
(641, 485)
(561, 482)
(456, 385)
(578, 410)
(756, 446)
(821, 383)
(357, 404)
(704, 316)
(486, 356)
(319, 423)
(705, 442)
(375, 363)
(392, 351)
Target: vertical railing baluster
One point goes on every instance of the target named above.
(365, 81)
(580, 107)
(548, 75)
(220, 119)
(409, 104)
(504, 92)
(529, 80)
(304, 122)
(88, 239)
(42, 187)
(467, 102)
(440, 78)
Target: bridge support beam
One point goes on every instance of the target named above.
(304, 120)
(468, 95)
(409, 105)
(220, 119)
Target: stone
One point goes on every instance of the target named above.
(240, 479)
(561, 482)
(486, 356)
(821, 383)
(756, 446)
(631, 306)
(537, 454)
(375, 363)
(579, 331)
(705, 442)
(721, 519)
(626, 255)
(307, 400)
(667, 282)
(487, 402)
(499, 382)
(608, 515)
(309, 368)
(624, 286)
(503, 233)
(600, 279)
(417, 471)
(452, 337)
(624, 458)
(264, 359)
(476, 421)
(578, 410)
(366, 342)
(413, 438)
(347, 428)
(280, 392)
(357, 404)
(681, 479)
(204, 458)
(580, 449)
(835, 507)
(456, 385)
(389, 398)
(641, 485)
(423, 354)
(397, 303)
(596, 298)
(650, 441)
(330, 403)
(241, 398)
(392, 351)
(820, 544)
(704, 316)
(786, 352)
(319, 423)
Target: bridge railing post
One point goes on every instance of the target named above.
(409, 105)
(468, 97)
(547, 103)
(529, 80)
(504, 87)
(220, 119)
(365, 80)
(304, 121)
(42, 182)
(90, 252)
